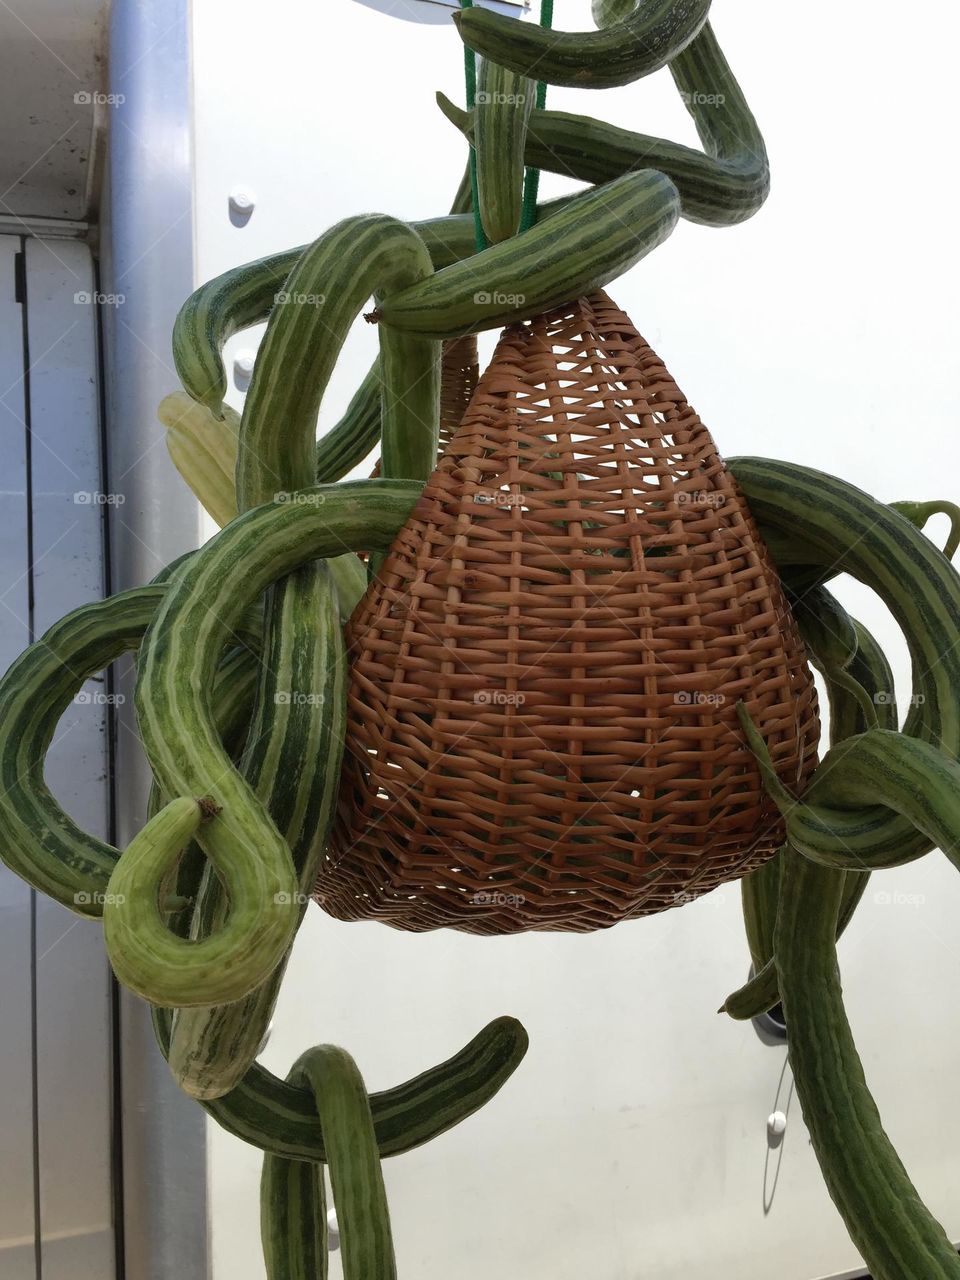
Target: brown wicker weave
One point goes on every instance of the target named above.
(542, 729)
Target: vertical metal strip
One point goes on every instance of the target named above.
(21, 286)
(148, 257)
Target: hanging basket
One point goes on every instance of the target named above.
(542, 728)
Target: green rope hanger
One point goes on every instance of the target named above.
(531, 177)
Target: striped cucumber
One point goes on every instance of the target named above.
(281, 1118)
(275, 1116)
(912, 778)
(829, 643)
(41, 843)
(244, 296)
(832, 523)
(881, 1209)
(204, 450)
(296, 739)
(504, 101)
(643, 41)
(323, 295)
(233, 695)
(758, 893)
(178, 658)
(722, 185)
(830, 636)
(293, 1219)
(292, 761)
(359, 1196)
(355, 435)
(582, 247)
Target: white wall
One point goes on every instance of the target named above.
(632, 1140)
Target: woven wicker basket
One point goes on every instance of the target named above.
(542, 710)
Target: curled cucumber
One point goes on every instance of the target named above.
(580, 248)
(896, 1234)
(641, 42)
(504, 102)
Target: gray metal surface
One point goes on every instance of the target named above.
(18, 1245)
(147, 257)
(56, 1174)
(52, 105)
(72, 981)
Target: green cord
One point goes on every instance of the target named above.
(531, 177)
(470, 76)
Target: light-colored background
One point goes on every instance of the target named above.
(632, 1140)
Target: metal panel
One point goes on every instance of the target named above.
(17, 1168)
(148, 257)
(73, 992)
(52, 107)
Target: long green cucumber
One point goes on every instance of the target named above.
(268, 1113)
(722, 185)
(350, 580)
(582, 247)
(353, 1158)
(640, 43)
(41, 843)
(134, 928)
(244, 296)
(878, 767)
(233, 696)
(758, 892)
(355, 435)
(293, 1219)
(830, 636)
(835, 524)
(203, 448)
(725, 125)
(504, 101)
(281, 1118)
(343, 447)
(297, 733)
(831, 647)
(322, 297)
(881, 1209)
(178, 657)
(149, 959)
(292, 761)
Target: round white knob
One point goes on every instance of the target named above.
(243, 363)
(242, 201)
(776, 1127)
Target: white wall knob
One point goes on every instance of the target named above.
(776, 1128)
(243, 363)
(242, 202)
